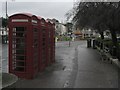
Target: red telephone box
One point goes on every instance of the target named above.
(48, 62)
(52, 42)
(51, 45)
(42, 43)
(31, 44)
(23, 45)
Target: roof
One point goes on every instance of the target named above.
(39, 17)
(50, 20)
(26, 14)
(47, 21)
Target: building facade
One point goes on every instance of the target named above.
(60, 28)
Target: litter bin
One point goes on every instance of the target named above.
(88, 43)
(8, 81)
(94, 44)
(114, 51)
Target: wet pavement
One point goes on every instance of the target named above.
(93, 72)
(76, 67)
(56, 75)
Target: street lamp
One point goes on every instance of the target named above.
(6, 10)
(6, 22)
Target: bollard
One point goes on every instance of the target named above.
(94, 44)
(114, 51)
(88, 43)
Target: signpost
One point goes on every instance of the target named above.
(70, 37)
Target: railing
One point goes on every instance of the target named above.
(106, 50)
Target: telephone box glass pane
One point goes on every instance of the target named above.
(18, 46)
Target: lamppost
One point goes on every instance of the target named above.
(6, 22)
(69, 33)
(6, 11)
(4, 30)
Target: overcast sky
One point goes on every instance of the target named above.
(44, 8)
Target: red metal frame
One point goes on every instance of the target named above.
(42, 48)
(48, 24)
(53, 42)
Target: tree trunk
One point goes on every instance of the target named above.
(114, 40)
(114, 37)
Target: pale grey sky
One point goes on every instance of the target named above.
(38, 0)
(52, 9)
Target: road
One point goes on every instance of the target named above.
(4, 58)
(76, 67)
(0, 51)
